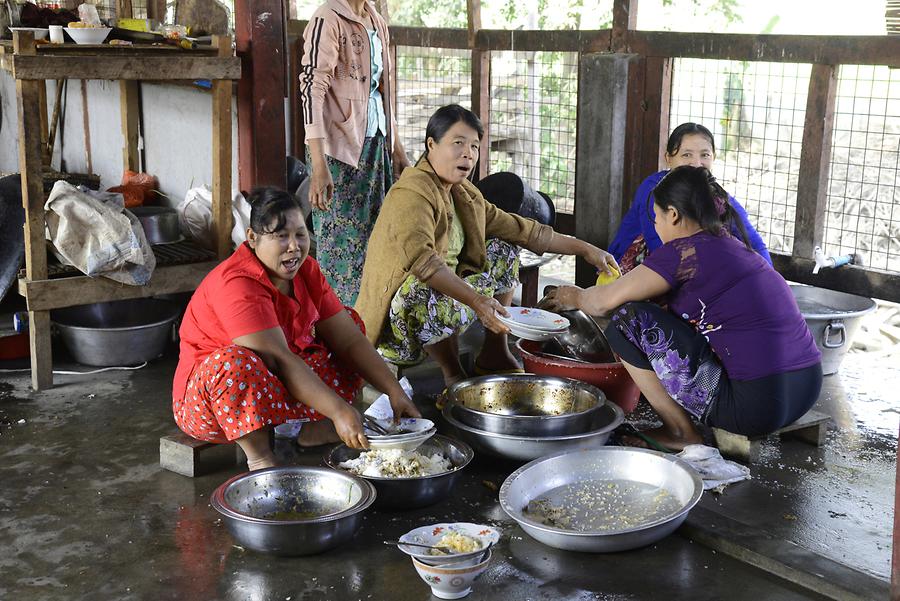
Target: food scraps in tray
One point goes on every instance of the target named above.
(396, 463)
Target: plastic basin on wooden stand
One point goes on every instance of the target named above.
(611, 378)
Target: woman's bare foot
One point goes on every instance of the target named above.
(496, 361)
(261, 463)
(664, 437)
(318, 433)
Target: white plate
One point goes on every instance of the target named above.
(530, 333)
(409, 442)
(537, 319)
(407, 427)
(430, 535)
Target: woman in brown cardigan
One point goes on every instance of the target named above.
(441, 256)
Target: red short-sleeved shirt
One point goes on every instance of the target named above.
(237, 298)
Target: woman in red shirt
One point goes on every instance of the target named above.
(265, 339)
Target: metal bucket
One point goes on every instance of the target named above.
(117, 333)
(833, 318)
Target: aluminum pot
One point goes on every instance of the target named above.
(611, 378)
(296, 510)
(117, 333)
(407, 493)
(833, 318)
(526, 404)
(160, 224)
(641, 476)
(526, 448)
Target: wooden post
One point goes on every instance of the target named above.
(481, 86)
(28, 93)
(129, 108)
(624, 20)
(259, 34)
(298, 129)
(221, 131)
(649, 91)
(895, 552)
(815, 160)
(45, 123)
(602, 110)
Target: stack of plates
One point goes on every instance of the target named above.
(534, 324)
(411, 432)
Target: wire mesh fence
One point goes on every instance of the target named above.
(756, 111)
(427, 79)
(534, 97)
(863, 205)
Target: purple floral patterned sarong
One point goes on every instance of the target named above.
(650, 337)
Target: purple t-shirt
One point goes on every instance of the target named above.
(740, 304)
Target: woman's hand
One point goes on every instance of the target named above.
(348, 425)
(563, 298)
(321, 187)
(402, 405)
(601, 259)
(400, 162)
(486, 308)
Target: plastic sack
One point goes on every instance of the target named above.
(87, 13)
(195, 216)
(90, 231)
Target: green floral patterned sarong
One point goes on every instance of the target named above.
(420, 315)
(342, 232)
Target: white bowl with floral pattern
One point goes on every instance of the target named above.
(432, 535)
(448, 581)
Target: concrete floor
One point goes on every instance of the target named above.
(86, 513)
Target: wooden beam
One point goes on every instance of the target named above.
(182, 67)
(815, 160)
(222, 219)
(602, 111)
(481, 86)
(828, 50)
(849, 278)
(259, 34)
(129, 108)
(44, 295)
(624, 19)
(298, 129)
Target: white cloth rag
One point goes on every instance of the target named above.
(381, 409)
(715, 470)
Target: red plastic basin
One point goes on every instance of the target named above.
(611, 378)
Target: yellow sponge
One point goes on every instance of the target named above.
(604, 278)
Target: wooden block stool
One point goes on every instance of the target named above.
(811, 428)
(191, 457)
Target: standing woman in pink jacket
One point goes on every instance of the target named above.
(352, 147)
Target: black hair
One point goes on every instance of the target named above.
(685, 129)
(268, 206)
(695, 194)
(446, 117)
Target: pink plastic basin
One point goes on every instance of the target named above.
(611, 378)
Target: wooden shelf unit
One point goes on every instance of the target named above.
(31, 65)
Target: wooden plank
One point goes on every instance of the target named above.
(815, 160)
(624, 19)
(259, 35)
(45, 124)
(849, 278)
(828, 50)
(473, 19)
(43, 295)
(602, 109)
(298, 129)
(41, 349)
(129, 111)
(124, 9)
(500, 39)
(182, 66)
(222, 218)
(895, 537)
(481, 106)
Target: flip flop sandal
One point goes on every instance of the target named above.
(629, 430)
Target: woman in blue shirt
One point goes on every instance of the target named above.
(689, 144)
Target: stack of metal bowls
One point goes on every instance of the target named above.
(526, 416)
(407, 493)
(296, 510)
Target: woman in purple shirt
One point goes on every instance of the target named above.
(731, 349)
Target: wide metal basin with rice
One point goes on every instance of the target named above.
(601, 500)
(526, 404)
(407, 493)
(124, 332)
(833, 319)
(526, 448)
(297, 510)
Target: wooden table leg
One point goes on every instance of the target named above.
(41, 352)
